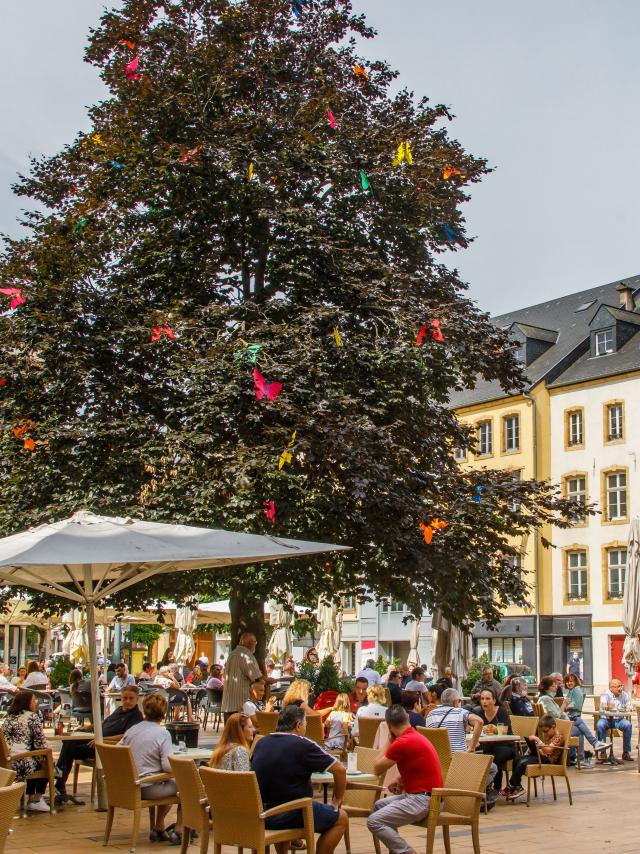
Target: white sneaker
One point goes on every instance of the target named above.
(601, 745)
(38, 806)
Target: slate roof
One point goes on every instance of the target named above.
(567, 360)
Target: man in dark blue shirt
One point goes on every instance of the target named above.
(283, 762)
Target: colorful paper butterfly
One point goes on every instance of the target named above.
(264, 388)
(17, 300)
(269, 510)
(159, 331)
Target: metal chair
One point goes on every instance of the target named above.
(212, 705)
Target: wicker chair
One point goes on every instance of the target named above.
(533, 772)
(193, 799)
(238, 818)
(267, 722)
(7, 777)
(367, 729)
(90, 763)
(359, 798)
(10, 797)
(538, 708)
(524, 726)
(439, 738)
(124, 788)
(256, 739)
(458, 803)
(315, 729)
(45, 772)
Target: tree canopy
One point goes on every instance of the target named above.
(257, 204)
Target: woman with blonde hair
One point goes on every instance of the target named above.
(298, 695)
(232, 751)
(376, 706)
(338, 722)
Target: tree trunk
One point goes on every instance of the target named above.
(247, 615)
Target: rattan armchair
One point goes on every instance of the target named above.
(535, 771)
(459, 801)
(359, 798)
(315, 729)
(193, 799)
(45, 772)
(10, 797)
(238, 817)
(267, 722)
(7, 777)
(367, 729)
(439, 738)
(124, 788)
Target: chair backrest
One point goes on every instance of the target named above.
(7, 776)
(267, 722)
(439, 738)
(81, 700)
(367, 729)
(236, 805)
(366, 759)
(256, 739)
(364, 798)
(466, 771)
(190, 789)
(65, 698)
(315, 729)
(524, 726)
(387, 698)
(538, 708)
(564, 728)
(5, 753)
(596, 702)
(559, 701)
(120, 773)
(214, 696)
(9, 800)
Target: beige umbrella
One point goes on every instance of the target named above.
(453, 647)
(631, 603)
(413, 659)
(281, 616)
(76, 642)
(186, 622)
(327, 617)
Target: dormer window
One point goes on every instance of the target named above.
(604, 342)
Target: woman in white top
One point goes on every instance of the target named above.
(35, 677)
(376, 706)
(338, 723)
(151, 747)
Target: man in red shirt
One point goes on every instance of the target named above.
(420, 772)
(358, 696)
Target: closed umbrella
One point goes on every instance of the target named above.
(413, 659)
(76, 643)
(88, 558)
(186, 622)
(631, 602)
(328, 627)
(453, 646)
(281, 617)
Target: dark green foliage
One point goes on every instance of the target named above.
(146, 635)
(179, 237)
(60, 674)
(323, 677)
(475, 673)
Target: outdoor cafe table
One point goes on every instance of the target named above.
(613, 714)
(325, 779)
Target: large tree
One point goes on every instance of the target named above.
(256, 196)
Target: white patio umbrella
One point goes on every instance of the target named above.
(76, 642)
(186, 624)
(281, 617)
(87, 558)
(631, 602)
(413, 659)
(453, 647)
(327, 616)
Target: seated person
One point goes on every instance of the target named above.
(7, 684)
(615, 699)
(393, 684)
(165, 679)
(195, 677)
(215, 681)
(256, 703)
(22, 729)
(413, 707)
(487, 680)
(358, 697)
(296, 759)
(337, 723)
(35, 677)
(520, 704)
(121, 678)
(146, 674)
(125, 716)
(298, 692)
(431, 699)
(232, 751)
(572, 705)
(376, 707)
(151, 747)
(417, 681)
(17, 680)
(550, 746)
(492, 716)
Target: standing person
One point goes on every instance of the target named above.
(419, 769)
(296, 758)
(616, 699)
(370, 673)
(151, 746)
(22, 729)
(358, 697)
(240, 671)
(118, 722)
(376, 707)
(487, 680)
(121, 679)
(494, 715)
(232, 751)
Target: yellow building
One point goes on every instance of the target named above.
(514, 432)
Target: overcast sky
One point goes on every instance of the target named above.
(546, 91)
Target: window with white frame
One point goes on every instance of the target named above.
(576, 489)
(614, 421)
(616, 487)
(485, 438)
(604, 342)
(512, 433)
(395, 606)
(577, 574)
(616, 572)
(349, 603)
(459, 454)
(575, 428)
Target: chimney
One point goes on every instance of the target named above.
(626, 297)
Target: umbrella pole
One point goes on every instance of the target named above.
(95, 689)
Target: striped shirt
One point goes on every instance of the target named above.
(455, 721)
(240, 671)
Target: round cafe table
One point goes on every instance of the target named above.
(325, 779)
